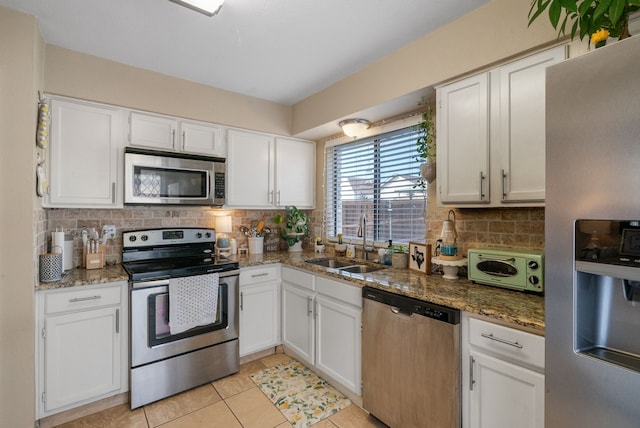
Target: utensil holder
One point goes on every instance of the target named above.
(256, 245)
(93, 260)
(50, 267)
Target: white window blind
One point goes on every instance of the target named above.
(376, 176)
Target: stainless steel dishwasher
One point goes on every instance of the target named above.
(410, 361)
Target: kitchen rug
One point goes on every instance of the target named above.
(301, 396)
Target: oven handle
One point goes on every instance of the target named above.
(164, 281)
(147, 284)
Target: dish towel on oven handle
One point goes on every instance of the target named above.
(193, 301)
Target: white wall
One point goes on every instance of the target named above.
(21, 51)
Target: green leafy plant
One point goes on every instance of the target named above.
(426, 142)
(296, 225)
(587, 17)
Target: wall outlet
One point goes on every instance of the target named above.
(108, 232)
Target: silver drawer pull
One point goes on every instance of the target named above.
(497, 339)
(260, 274)
(84, 299)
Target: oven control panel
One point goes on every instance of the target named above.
(153, 237)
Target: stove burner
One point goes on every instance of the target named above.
(170, 253)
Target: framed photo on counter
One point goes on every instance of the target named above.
(418, 257)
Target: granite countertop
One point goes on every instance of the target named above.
(512, 307)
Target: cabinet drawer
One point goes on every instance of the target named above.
(259, 274)
(338, 290)
(299, 278)
(81, 299)
(516, 345)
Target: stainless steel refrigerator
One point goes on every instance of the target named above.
(592, 239)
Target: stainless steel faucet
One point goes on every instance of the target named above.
(362, 233)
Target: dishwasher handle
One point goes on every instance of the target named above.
(397, 311)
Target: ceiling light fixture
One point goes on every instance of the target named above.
(207, 7)
(354, 127)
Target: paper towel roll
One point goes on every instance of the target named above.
(57, 244)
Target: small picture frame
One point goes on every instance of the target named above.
(419, 257)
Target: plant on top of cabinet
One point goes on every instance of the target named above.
(426, 148)
(590, 18)
(295, 227)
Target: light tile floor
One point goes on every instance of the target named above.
(234, 401)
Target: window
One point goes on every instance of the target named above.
(376, 176)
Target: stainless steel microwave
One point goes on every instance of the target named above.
(507, 267)
(153, 178)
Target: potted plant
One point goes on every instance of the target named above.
(597, 19)
(295, 227)
(426, 148)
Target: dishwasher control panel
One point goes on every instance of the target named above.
(409, 305)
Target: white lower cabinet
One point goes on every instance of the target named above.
(298, 293)
(321, 323)
(503, 378)
(259, 308)
(82, 345)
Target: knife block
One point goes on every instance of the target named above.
(93, 260)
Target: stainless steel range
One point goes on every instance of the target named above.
(163, 362)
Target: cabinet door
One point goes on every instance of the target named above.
(463, 141)
(202, 139)
(522, 126)
(82, 356)
(85, 155)
(297, 321)
(504, 395)
(295, 168)
(249, 170)
(338, 329)
(259, 317)
(154, 132)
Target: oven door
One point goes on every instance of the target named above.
(150, 337)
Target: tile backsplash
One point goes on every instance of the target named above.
(476, 227)
(131, 218)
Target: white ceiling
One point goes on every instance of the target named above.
(278, 50)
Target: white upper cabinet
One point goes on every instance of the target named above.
(153, 132)
(249, 163)
(269, 172)
(522, 126)
(171, 134)
(491, 135)
(463, 140)
(295, 167)
(200, 138)
(85, 155)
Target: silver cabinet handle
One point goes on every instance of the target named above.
(184, 139)
(309, 308)
(481, 186)
(113, 192)
(472, 363)
(498, 339)
(84, 299)
(241, 301)
(278, 203)
(259, 275)
(504, 177)
(270, 197)
(173, 139)
(117, 321)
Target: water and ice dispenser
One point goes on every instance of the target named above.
(607, 291)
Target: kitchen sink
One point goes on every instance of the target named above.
(361, 268)
(344, 266)
(330, 263)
